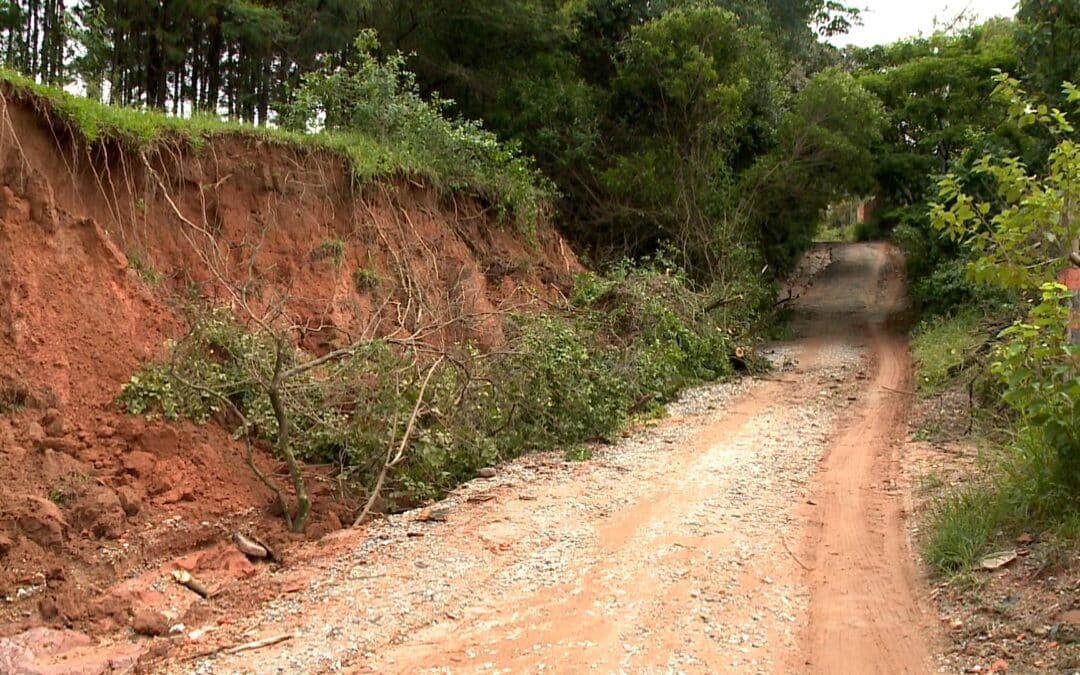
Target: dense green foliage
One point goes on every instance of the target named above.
(1049, 38)
(942, 118)
(670, 122)
(823, 156)
(631, 342)
(381, 100)
(977, 182)
(1021, 240)
(940, 114)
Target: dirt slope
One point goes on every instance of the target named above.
(757, 529)
(95, 271)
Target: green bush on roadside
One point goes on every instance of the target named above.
(629, 343)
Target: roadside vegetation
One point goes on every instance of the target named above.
(978, 176)
(1019, 242)
(406, 422)
(946, 348)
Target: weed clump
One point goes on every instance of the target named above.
(1021, 491)
(942, 347)
(332, 249)
(145, 271)
(365, 279)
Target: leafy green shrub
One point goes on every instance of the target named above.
(365, 279)
(381, 100)
(631, 343)
(1018, 241)
(653, 313)
(869, 230)
(570, 387)
(1038, 365)
(220, 356)
(1019, 244)
(949, 288)
(914, 242)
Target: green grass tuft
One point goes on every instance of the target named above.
(366, 279)
(147, 273)
(1020, 492)
(578, 453)
(332, 249)
(941, 345)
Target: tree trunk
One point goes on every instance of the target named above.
(284, 443)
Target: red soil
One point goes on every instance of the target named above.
(90, 495)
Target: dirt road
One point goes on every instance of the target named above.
(759, 528)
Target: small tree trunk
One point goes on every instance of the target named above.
(283, 444)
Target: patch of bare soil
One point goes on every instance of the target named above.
(1023, 617)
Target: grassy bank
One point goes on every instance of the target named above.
(1017, 489)
(448, 155)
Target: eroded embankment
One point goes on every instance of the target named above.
(100, 254)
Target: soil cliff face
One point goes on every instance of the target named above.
(101, 247)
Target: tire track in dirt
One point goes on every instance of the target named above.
(865, 614)
(755, 530)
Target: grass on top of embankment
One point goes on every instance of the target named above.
(498, 175)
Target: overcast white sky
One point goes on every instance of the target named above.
(889, 20)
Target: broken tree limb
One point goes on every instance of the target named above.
(716, 304)
(898, 391)
(392, 458)
(259, 644)
(184, 578)
(236, 649)
(795, 557)
(249, 547)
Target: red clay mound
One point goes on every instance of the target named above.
(94, 269)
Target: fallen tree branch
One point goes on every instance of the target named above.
(716, 304)
(244, 647)
(898, 391)
(394, 458)
(185, 579)
(259, 644)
